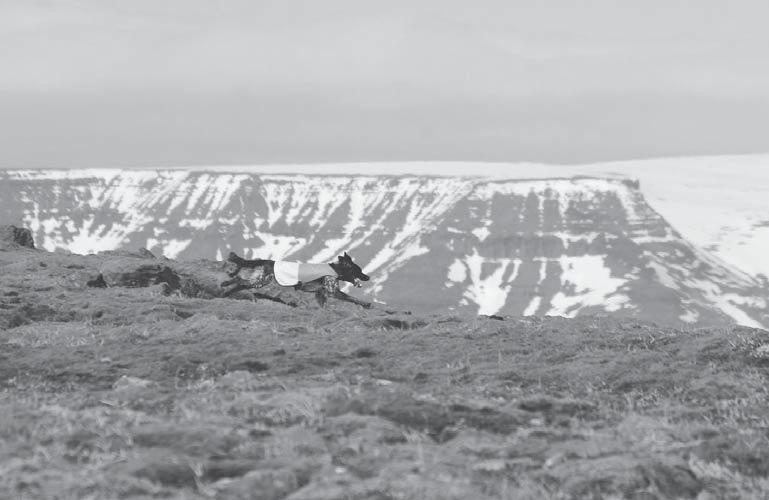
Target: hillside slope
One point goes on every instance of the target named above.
(717, 202)
(546, 247)
(125, 392)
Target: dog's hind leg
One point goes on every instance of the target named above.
(236, 289)
(348, 298)
(244, 284)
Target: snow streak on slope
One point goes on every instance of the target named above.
(488, 290)
(438, 197)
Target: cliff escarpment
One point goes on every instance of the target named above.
(531, 247)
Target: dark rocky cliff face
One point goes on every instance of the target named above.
(558, 246)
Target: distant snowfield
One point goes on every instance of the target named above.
(720, 203)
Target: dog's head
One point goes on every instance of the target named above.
(350, 271)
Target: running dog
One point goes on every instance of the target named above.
(320, 279)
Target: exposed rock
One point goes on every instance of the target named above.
(144, 276)
(97, 282)
(146, 254)
(16, 236)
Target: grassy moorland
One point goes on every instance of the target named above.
(158, 391)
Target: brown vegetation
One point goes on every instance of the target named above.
(157, 388)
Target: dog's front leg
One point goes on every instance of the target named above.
(329, 285)
(321, 296)
(349, 298)
(230, 282)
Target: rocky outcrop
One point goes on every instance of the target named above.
(16, 236)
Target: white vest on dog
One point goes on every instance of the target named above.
(286, 273)
(293, 273)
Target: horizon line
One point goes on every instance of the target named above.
(278, 164)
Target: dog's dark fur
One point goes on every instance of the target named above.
(323, 288)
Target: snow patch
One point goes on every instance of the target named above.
(533, 306)
(275, 247)
(489, 292)
(481, 233)
(172, 248)
(690, 316)
(590, 284)
(457, 272)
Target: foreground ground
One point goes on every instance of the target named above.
(154, 393)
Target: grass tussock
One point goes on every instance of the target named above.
(135, 392)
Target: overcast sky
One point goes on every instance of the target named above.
(177, 82)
